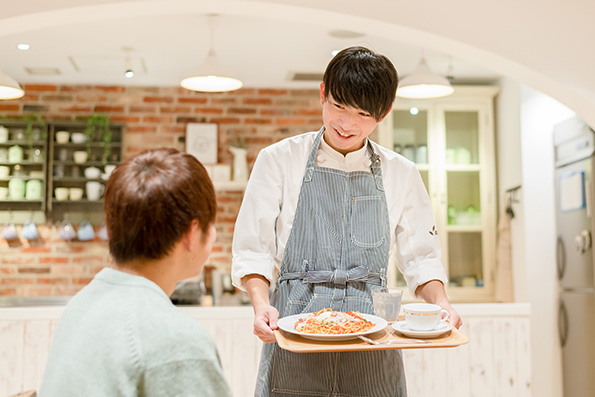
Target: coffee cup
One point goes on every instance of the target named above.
(16, 189)
(424, 316)
(3, 155)
(4, 171)
(80, 156)
(61, 193)
(62, 136)
(387, 303)
(15, 154)
(33, 189)
(108, 169)
(3, 134)
(94, 190)
(102, 233)
(30, 230)
(66, 230)
(75, 193)
(85, 232)
(3, 193)
(9, 232)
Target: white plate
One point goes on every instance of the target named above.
(288, 324)
(402, 327)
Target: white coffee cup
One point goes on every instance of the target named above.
(62, 136)
(4, 171)
(3, 134)
(424, 316)
(80, 156)
(3, 193)
(94, 190)
(61, 193)
(75, 193)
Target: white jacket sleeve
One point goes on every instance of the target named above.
(418, 251)
(254, 240)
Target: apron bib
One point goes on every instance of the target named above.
(336, 254)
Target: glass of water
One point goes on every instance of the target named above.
(387, 303)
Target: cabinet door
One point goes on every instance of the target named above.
(467, 206)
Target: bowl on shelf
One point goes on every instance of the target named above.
(61, 193)
(62, 136)
(80, 156)
(78, 137)
(92, 173)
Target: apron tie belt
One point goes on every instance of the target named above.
(338, 277)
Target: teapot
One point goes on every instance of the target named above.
(86, 232)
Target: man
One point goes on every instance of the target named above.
(326, 208)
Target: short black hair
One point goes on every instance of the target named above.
(360, 78)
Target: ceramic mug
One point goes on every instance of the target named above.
(33, 189)
(3, 155)
(62, 136)
(424, 316)
(4, 171)
(9, 232)
(3, 193)
(61, 193)
(92, 173)
(16, 189)
(15, 154)
(94, 190)
(3, 134)
(66, 230)
(102, 233)
(80, 156)
(85, 232)
(75, 193)
(30, 230)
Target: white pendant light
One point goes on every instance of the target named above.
(9, 88)
(211, 75)
(424, 84)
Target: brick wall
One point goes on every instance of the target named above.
(153, 117)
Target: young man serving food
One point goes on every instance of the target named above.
(326, 208)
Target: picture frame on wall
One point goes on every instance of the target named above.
(201, 142)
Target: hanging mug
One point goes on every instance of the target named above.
(30, 230)
(85, 232)
(9, 232)
(102, 233)
(66, 230)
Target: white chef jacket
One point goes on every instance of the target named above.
(270, 201)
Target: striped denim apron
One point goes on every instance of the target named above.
(336, 254)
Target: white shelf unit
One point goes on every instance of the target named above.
(460, 175)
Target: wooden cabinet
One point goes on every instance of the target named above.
(78, 169)
(23, 175)
(452, 142)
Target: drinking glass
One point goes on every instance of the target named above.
(387, 303)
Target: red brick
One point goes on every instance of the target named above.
(89, 259)
(53, 280)
(241, 111)
(8, 291)
(269, 91)
(8, 270)
(110, 88)
(225, 120)
(66, 290)
(53, 259)
(36, 250)
(224, 101)
(29, 98)
(192, 100)
(67, 269)
(9, 107)
(75, 109)
(81, 280)
(275, 112)
(37, 290)
(158, 119)
(308, 112)
(142, 109)
(109, 109)
(34, 269)
(140, 129)
(91, 99)
(202, 110)
(175, 109)
(18, 260)
(40, 87)
(156, 99)
(257, 101)
(290, 121)
(57, 98)
(75, 88)
(174, 129)
(124, 119)
(17, 280)
(257, 121)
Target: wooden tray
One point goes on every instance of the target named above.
(297, 344)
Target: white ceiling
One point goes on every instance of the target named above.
(263, 52)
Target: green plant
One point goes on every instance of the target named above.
(34, 120)
(98, 130)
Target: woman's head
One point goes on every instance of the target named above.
(151, 200)
(360, 78)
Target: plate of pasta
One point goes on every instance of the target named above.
(331, 325)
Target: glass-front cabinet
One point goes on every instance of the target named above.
(452, 142)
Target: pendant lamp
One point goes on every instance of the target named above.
(9, 88)
(424, 84)
(212, 75)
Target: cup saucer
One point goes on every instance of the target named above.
(403, 328)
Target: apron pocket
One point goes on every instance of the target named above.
(367, 229)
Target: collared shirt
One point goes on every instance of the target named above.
(270, 201)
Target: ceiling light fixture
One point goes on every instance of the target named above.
(23, 46)
(422, 83)
(129, 73)
(212, 76)
(9, 88)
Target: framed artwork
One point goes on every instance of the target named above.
(201, 142)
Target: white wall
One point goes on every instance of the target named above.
(539, 113)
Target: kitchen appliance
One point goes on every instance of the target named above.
(574, 144)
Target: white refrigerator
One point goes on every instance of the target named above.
(574, 144)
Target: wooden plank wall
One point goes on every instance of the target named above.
(495, 363)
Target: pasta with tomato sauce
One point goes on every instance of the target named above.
(331, 322)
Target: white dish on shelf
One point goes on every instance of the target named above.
(287, 324)
(403, 328)
(78, 137)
